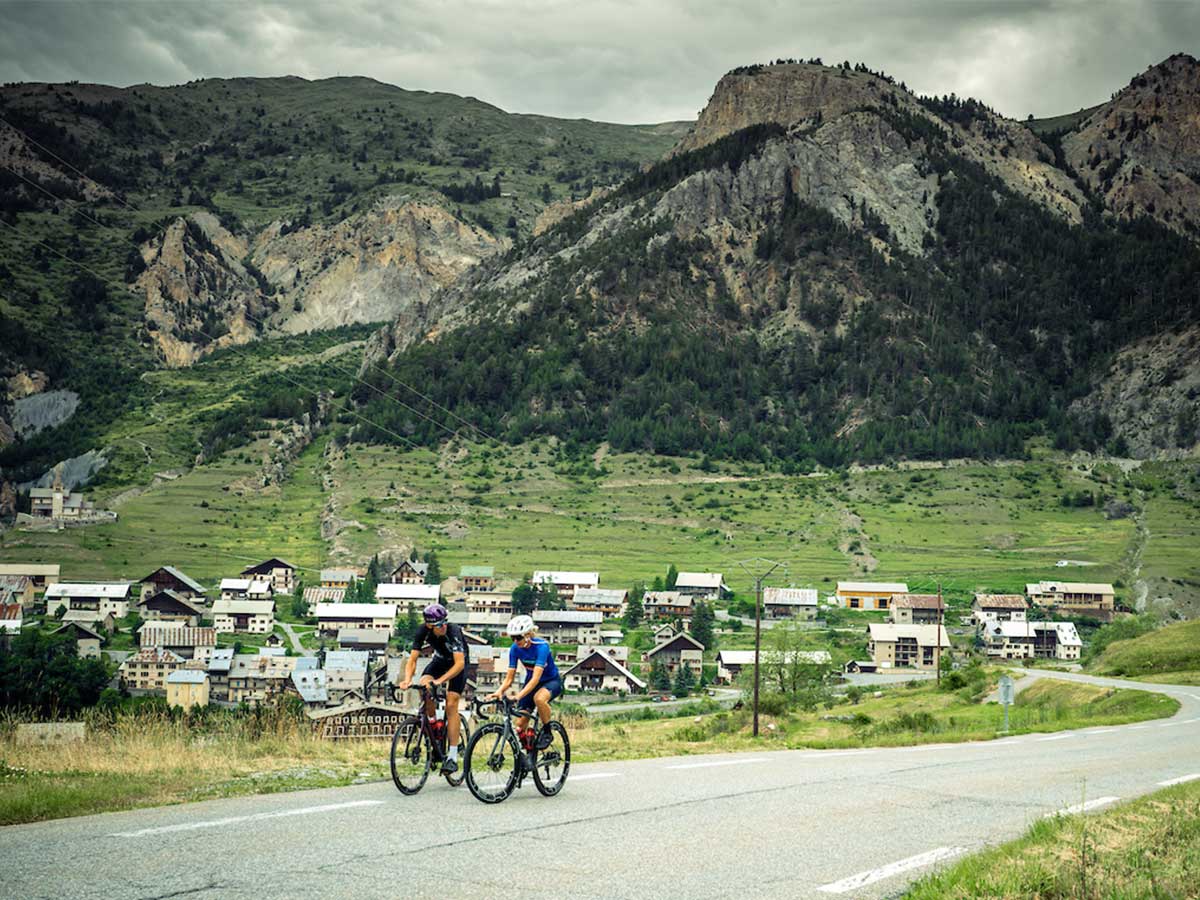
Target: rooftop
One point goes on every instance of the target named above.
(187, 676)
(873, 587)
(555, 577)
(699, 580)
(1001, 601)
(790, 596)
(477, 572)
(918, 601)
(355, 610)
(428, 593)
(924, 634)
(108, 591)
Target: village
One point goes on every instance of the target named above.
(338, 646)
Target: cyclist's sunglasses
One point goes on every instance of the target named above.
(436, 623)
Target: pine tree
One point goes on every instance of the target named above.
(702, 624)
(684, 680)
(660, 678)
(672, 577)
(433, 575)
(634, 611)
(524, 599)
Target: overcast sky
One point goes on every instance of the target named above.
(613, 60)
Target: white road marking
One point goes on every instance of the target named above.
(706, 765)
(1103, 731)
(862, 879)
(1082, 807)
(1055, 737)
(256, 817)
(1008, 743)
(1180, 780)
(1137, 727)
(574, 778)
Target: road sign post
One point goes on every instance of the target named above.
(1007, 690)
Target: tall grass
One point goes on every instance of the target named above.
(151, 756)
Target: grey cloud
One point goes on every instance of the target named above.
(614, 60)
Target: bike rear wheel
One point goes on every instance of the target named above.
(464, 737)
(493, 763)
(410, 756)
(550, 766)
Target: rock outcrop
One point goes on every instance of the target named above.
(200, 296)
(1141, 150)
(809, 95)
(1151, 395)
(369, 267)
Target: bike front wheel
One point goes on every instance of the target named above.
(493, 763)
(550, 766)
(410, 756)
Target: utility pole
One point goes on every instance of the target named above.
(758, 583)
(937, 654)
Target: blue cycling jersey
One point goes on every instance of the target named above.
(536, 654)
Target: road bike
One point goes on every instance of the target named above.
(499, 756)
(419, 744)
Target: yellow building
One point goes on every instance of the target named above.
(869, 594)
(187, 688)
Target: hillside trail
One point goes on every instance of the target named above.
(1141, 537)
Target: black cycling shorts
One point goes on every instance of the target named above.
(439, 666)
(554, 686)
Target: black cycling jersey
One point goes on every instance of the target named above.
(444, 647)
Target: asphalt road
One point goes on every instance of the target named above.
(856, 823)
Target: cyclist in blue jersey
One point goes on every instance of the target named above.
(542, 683)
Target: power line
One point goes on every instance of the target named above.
(132, 208)
(232, 347)
(245, 314)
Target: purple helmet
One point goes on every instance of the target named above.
(435, 614)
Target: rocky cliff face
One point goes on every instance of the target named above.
(371, 266)
(199, 294)
(1141, 151)
(1152, 395)
(804, 94)
(207, 288)
(897, 259)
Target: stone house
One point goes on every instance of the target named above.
(609, 602)
(707, 586)
(907, 646)
(998, 608)
(477, 578)
(147, 670)
(187, 688)
(87, 639)
(99, 598)
(280, 574)
(790, 603)
(869, 594)
(168, 606)
(680, 649)
(169, 578)
(598, 671)
(409, 572)
(250, 616)
(917, 609)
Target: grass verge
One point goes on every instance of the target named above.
(903, 716)
(153, 759)
(1147, 848)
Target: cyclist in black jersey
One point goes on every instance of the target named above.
(448, 666)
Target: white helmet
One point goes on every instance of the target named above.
(520, 625)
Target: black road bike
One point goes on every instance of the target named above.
(419, 745)
(499, 756)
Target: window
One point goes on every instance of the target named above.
(854, 603)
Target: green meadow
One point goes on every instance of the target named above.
(966, 527)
